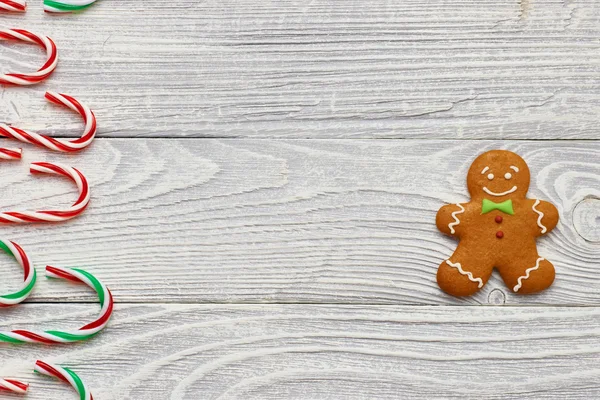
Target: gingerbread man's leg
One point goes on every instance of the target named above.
(531, 274)
(465, 272)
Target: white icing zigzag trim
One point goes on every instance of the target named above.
(468, 274)
(541, 215)
(451, 225)
(526, 276)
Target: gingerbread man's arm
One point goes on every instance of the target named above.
(448, 218)
(546, 216)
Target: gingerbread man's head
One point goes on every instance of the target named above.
(498, 175)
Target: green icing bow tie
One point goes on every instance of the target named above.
(506, 207)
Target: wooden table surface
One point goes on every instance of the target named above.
(261, 243)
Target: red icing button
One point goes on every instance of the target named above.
(498, 219)
(499, 234)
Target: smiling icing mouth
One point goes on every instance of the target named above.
(488, 191)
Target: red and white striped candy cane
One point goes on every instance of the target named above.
(51, 143)
(13, 386)
(13, 5)
(23, 79)
(77, 208)
(10, 154)
(29, 274)
(65, 375)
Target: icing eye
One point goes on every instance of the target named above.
(507, 175)
(490, 176)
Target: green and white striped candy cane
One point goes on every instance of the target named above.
(66, 6)
(29, 273)
(83, 333)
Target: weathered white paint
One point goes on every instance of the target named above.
(158, 352)
(307, 221)
(336, 221)
(327, 69)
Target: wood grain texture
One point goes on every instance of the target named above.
(178, 352)
(320, 69)
(586, 218)
(176, 222)
(335, 221)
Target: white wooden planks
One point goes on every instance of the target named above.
(175, 223)
(320, 69)
(158, 351)
(335, 221)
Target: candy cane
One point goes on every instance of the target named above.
(77, 208)
(13, 5)
(41, 74)
(66, 146)
(10, 154)
(66, 6)
(13, 386)
(84, 333)
(65, 375)
(29, 273)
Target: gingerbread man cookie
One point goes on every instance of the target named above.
(497, 229)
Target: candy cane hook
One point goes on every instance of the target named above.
(24, 217)
(13, 5)
(67, 146)
(65, 375)
(83, 333)
(29, 278)
(66, 6)
(24, 79)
